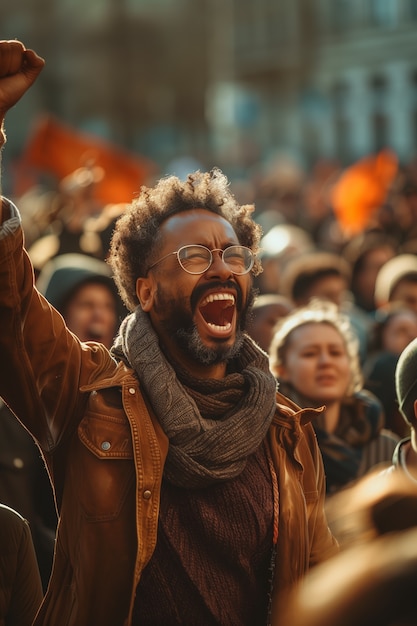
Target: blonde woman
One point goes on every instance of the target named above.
(314, 355)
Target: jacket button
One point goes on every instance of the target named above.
(18, 463)
(147, 494)
(132, 390)
(106, 445)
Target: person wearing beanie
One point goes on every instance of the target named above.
(405, 454)
(268, 308)
(82, 290)
(396, 281)
(326, 276)
(316, 274)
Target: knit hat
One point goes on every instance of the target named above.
(391, 273)
(302, 271)
(64, 274)
(406, 381)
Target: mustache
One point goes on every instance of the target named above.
(200, 291)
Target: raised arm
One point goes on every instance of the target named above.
(19, 69)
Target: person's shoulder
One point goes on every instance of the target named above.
(288, 408)
(285, 405)
(12, 524)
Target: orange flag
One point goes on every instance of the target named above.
(59, 150)
(362, 189)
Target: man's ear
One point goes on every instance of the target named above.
(415, 409)
(145, 291)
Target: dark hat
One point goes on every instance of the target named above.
(406, 381)
(64, 274)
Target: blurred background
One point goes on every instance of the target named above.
(195, 83)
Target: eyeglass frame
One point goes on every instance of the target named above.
(197, 245)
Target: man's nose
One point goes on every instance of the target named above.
(219, 267)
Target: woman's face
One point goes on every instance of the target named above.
(316, 362)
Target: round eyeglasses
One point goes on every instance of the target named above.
(196, 259)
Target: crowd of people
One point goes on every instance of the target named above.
(207, 392)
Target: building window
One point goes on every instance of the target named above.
(379, 118)
(340, 95)
(380, 131)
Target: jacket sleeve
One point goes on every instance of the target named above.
(322, 543)
(42, 364)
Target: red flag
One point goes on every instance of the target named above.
(57, 149)
(362, 189)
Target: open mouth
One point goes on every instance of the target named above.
(95, 332)
(217, 310)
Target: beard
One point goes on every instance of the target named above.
(178, 322)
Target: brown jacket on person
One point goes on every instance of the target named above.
(105, 451)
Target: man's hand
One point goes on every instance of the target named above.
(19, 69)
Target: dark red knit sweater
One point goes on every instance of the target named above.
(210, 566)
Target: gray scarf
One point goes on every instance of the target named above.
(212, 426)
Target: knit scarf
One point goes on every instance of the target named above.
(212, 425)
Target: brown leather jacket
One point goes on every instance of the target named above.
(105, 452)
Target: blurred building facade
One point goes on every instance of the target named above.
(224, 80)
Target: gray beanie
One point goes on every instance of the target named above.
(406, 381)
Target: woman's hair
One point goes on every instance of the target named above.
(136, 238)
(317, 312)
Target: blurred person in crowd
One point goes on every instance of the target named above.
(166, 478)
(405, 457)
(316, 274)
(75, 221)
(317, 216)
(372, 580)
(25, 486)
(396, 281)
(267, 310)
(366, 254)
(280, 244)
(404, 205)
(327, 276)
(82, 290)
(279, 193)
(314, 355)
(394, 328)
(20, 582)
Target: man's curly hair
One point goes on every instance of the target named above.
(136, 238)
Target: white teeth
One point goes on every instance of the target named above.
(227, 326)
(218, 296)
